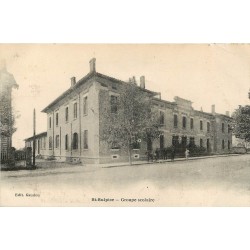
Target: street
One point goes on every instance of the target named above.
(220, 181)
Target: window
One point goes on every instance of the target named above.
(223, 144)
(149, 143)
(201, 125)
(50, 142)
(175, 121)
(56, 119)
(191, 141)
(222, 127)
(208, 144)
(75, 141)
(85, 105)
(75, 110)
(208, 126)
(66, 142)
(228, 144)
(44, 143)
(85, 139)
(67, 114)
(161, 141)
(228, 128)
(115, 145)
(201, 142)
(184, 141)
(175, 140)
(192, 123)
(50, 122)
(184, 122)
(162, 118)
(57, 141)
(113, 103)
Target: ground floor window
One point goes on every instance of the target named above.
(161, 141)
(66, 142)
(192, 141)
(228, 144)
(85, 139)
(75, 141)
(57, 141)
(223, 144)
(208, 144)
(175, 140)
(149, 143)
(201, 142)
(50, 142)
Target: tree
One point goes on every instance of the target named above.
(241, 123)
(129, 118)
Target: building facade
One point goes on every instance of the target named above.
(41, 143)
(7, 83)
(74, 122)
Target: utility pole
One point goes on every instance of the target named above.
(34, 139)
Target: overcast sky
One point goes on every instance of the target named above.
(205, 74)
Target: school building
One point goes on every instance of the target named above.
(74, 123)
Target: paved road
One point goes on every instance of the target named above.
(223, 181)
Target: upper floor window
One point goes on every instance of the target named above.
(208, 126)
(57, 118)
(201, 125)
(85, 105)
(50, 122)
(223, 127)
(75, 110)
(114, 104)
(184, 122)
(162, 118)
(192, 123)
(67, 114)
(75, 141)
(175, 121)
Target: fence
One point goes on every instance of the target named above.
(14, 156)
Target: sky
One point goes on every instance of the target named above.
(205, 74)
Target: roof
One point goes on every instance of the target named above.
(85, 79)
(43, 134)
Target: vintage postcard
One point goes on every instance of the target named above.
(125, 124)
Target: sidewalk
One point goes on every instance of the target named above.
(124, 164)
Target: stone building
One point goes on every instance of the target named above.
(7, 83)
(74, 122)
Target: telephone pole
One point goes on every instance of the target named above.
(34, 139)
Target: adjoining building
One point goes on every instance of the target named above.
(74, 123)
(7, 83)
(40, 140)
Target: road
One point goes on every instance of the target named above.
(222, 181)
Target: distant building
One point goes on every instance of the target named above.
(74, 122)
(40, 140)
(7, 82)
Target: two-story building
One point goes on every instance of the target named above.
(74, 122)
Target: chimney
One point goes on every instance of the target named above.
(227, 113)
(213, 109)
(142, 82)
(73, 81)
(92, 65)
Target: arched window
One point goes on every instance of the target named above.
(75, 141)
(50, 142)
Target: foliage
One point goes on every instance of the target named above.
(7, 117)
(129, 119)
(241, 123)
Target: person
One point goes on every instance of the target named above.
(172, 153)
(187, 153)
